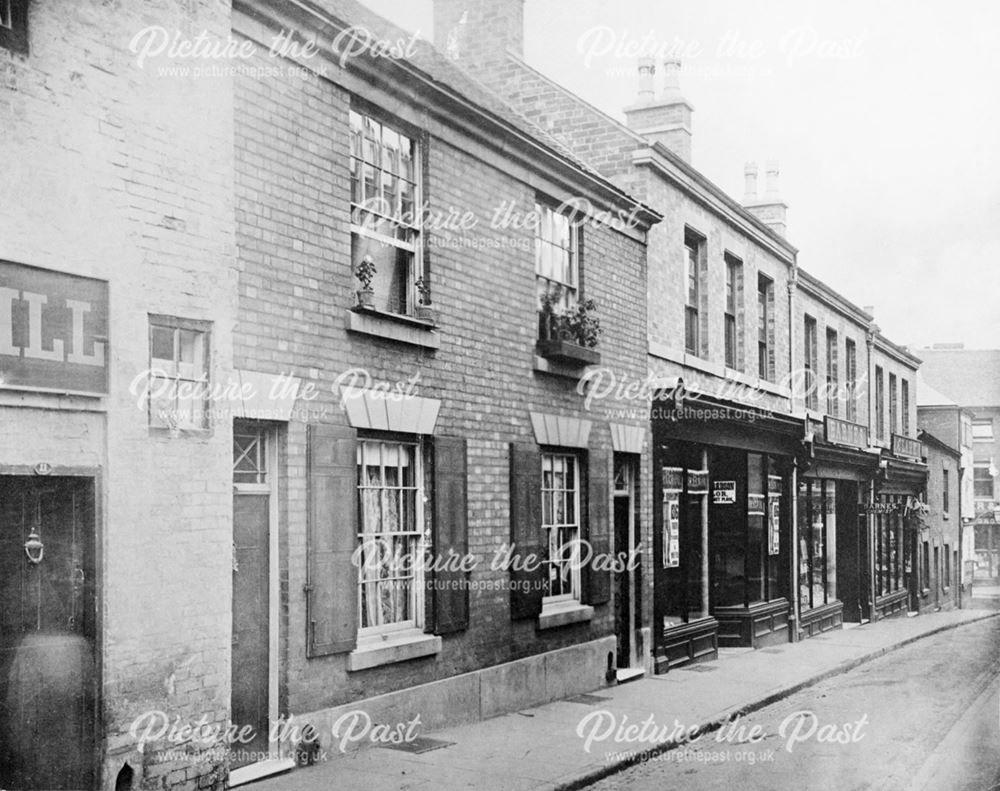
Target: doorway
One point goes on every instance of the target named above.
(48, 629)
(853, 581)
(254, 701)
(627, 545)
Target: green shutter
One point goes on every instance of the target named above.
(597, 584)
(332, 579)
(451, 535)
(526, 530)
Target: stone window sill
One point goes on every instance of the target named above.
(398, 647)
(557, 368)
(393, 327)
(563, 613)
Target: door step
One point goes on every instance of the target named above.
(625, 674)
(251, 772)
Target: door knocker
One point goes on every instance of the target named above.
(34, 548)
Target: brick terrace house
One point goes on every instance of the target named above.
(116, 257)
(348, 164)
(743, 461)
(971, 377)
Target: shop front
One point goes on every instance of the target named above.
(722, 528)
(896, 517)
(834, 486)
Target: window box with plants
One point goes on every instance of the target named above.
(568, 335)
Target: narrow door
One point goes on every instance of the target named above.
(251, 599)
(48, 684)
(626, 576)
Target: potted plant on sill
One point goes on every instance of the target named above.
(424, 311)
(365, 273)
(569, 336)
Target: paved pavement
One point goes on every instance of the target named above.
(568, 744)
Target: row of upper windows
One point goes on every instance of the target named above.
(734, 331)
(897, 400)
(840, 389)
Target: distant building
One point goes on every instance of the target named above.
(940, 530)
(971, 377)
(946, 420)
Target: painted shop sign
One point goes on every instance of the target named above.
(53, 330)
(910, 448)
(723, 492)
(843, 432)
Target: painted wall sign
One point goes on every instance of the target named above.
(723, 492)
(53, 330)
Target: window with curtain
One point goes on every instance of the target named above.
(390, 535)
(385, 213)
(561, 523)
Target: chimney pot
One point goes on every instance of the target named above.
(750, 173)
(671, 78)
(772, 178)
(647, 68)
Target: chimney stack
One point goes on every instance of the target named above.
(667, 119)
(770, 209)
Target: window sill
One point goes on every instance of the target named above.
(564, 613)
(557, 368)
(178, 433)
(399, 647)
(393, 327)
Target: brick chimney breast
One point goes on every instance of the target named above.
(665, 119)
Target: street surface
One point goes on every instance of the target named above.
(924, 717)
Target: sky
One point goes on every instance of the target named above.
(884, 117)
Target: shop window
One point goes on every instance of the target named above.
(889, 558)
(817, 518)
(390, 536)
(385, 213)
(561, 526)
(178, 373)
(684, 520)
(14, 25)
(811, 364)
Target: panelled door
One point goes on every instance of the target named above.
(626, 580)
(48, 626)
(251, 643)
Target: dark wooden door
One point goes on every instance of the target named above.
(48, 684)
(250, 624)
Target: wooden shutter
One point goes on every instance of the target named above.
(451, 535)
(526, 530)
(332, 579)
(597, 584)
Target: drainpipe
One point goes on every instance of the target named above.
(793, 503)
(704, 540)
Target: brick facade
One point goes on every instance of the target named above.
(123, 173)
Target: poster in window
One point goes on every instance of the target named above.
(671, 533)
(755, 505)
(774, 527)
(723, 492)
